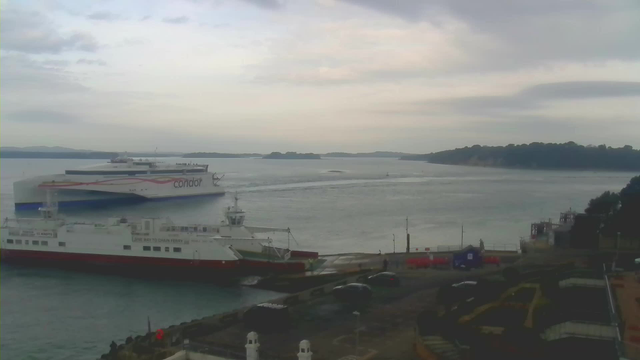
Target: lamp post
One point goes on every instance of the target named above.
(394, 243)
(357, 314)
(613, 266)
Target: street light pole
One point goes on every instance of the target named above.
(357, 314)
(394, 243)
(613, 266)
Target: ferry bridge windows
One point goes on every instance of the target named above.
(126, 247)
(146, 248)
(177, 249)
(35, 242)
(44, 243)
(26, 242)
(19, 242)
(157, 248)
(166, 249)
(147, 225)
(62, 244)
(9, 241)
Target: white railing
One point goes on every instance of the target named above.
(502, 247)
(487, 247)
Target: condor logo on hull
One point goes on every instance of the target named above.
(182, 183)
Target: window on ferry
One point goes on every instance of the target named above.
(166, 249)
(9, 241)
(157, 248)
(26, 242)
(146, 248)
(147, 225)
(175, 249)
(126, 247)
(19, 242)
(35, 242)
(62, 243)
(204, 229)
(44, 243)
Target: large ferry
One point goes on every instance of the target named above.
(122, 179)
(149, 243)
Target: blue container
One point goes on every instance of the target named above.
(468, 258)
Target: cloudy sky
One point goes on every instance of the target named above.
(318, 75)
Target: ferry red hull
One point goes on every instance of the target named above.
(49, 257)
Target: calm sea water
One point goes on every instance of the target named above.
(331, 205)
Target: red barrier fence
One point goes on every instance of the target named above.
(491, 260)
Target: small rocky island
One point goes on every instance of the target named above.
(214, 155)
(290, 155)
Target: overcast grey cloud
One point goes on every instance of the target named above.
(32, 32)
(530, 98)
(582, 90)
(267, 4)
(410, 75)
(103, 16)
(36, 116)
(91, 62)
(526, 33)
(24, 78)
(56, 63)
(176, 20)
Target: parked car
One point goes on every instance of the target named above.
(267, 318)
(353, 293)
(384, 279)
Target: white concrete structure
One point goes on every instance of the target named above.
(305, 350)
(252, 346)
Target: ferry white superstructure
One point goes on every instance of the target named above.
(121, 179)
(145, 244)
(148, 242)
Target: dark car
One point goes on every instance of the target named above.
(267, 318)
(353, 293)
(384, 279)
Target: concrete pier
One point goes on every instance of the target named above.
(386, 324)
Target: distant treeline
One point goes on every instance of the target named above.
(539, 155)
(292, 155)
(215, 155)
(58, 155)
